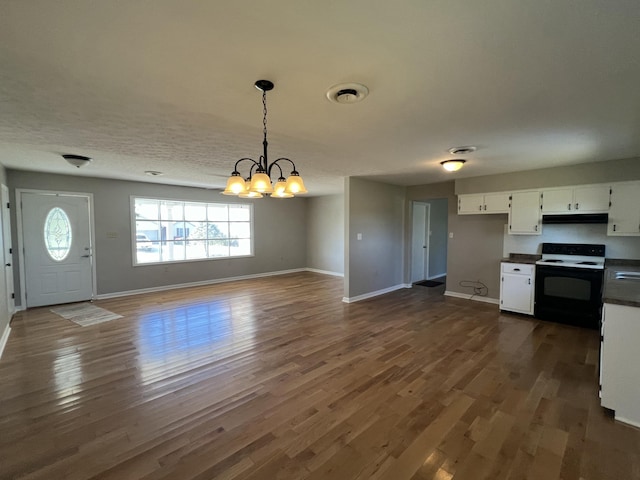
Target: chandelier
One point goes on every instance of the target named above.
(259, 180)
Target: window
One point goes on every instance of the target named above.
(176, 231)
(57, 234)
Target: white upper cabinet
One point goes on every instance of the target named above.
(470, 204)
(496, 203)
(624, 213)
(524, 214)
(483, 203)
(591, 199)
(580, 199)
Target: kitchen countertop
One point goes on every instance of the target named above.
(526, 258)
(618, 291)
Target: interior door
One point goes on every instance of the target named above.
(420, 243)
(7, 251)
(56, 229)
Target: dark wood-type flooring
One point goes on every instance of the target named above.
(276, 378)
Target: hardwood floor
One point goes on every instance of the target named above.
(276, 378)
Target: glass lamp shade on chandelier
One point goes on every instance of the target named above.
(258, 183)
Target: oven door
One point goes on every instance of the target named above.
(569, 295)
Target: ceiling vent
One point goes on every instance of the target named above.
(347, 93)
(462, 150)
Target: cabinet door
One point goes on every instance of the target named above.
(516, 293)
(557, 200)
(591, 199)
(624, 213)
(496, 203)
(469, 204)
(524, 214)
(620, 374)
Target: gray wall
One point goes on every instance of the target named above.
(583, 174)
(475, 251)
(279, 232)
(325, 233)
(376, 210)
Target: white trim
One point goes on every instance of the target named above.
(4, 338)
(92, 234)
(468, 296)
(195, 284)
(364, 296)
(634, 423)
(324, 272)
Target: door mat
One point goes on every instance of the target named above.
(85, 314)
(429, 283)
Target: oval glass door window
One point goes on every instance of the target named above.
(57, 234)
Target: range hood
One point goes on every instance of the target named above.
(576, 218)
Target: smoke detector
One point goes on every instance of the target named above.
(347, 93)
(462, 150)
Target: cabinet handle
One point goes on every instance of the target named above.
(536, 228)
(480, 207)
(577, 206)
(614, 227)
(516, 269)
(569, 206)
(529, 281)
(485, 208)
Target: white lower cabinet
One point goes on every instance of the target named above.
(517, 287)
(619, 366)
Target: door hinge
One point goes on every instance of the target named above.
(11, 250)
(13, 295)
(8, 205)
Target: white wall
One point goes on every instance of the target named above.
(325, 233)
(5, 309)
(616, 247)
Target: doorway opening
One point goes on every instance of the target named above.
(429, 242)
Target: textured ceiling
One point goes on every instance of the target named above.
(168, 86)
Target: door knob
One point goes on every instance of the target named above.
(7, 265)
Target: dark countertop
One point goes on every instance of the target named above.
(621, 291)
(522, 258)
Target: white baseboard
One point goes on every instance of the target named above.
(4, 338)
(364, 296)
(195, 284)
(627, 421)
(324, 272)
(468, 296)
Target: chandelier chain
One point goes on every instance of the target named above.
(264, 114)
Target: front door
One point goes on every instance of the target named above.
(56, 229)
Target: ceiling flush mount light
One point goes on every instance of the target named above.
(453, 165)
(259, 180)
(77, 160)
(347, 93)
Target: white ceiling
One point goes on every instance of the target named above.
(168, 86)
